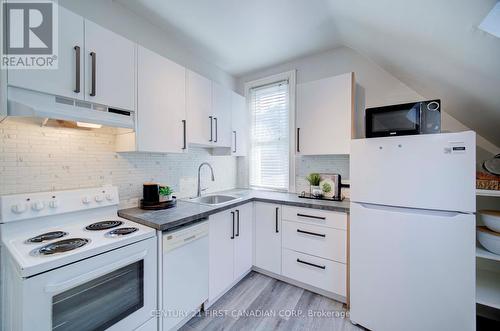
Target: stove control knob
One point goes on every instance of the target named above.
(53, 203)
(19, 208)
(99, 198)
(109, 197)
(86, 200)
(37, 205)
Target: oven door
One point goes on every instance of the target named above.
(396, 120)
(111, 291)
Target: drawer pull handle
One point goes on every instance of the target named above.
(310, 216)
(311, 233)
(312, 264)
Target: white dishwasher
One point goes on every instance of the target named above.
(185, 273)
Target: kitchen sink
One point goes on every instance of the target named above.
(214, 200)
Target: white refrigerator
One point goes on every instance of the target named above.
(412, 232)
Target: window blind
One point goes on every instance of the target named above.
(269, 151)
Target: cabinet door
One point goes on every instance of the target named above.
(221, 254)
(243, 251)
(63, 80)
(199, 109)
(161, 103)
(240, 124)
(268, 237)
(221, 98)
(111, 58)
(324, 110)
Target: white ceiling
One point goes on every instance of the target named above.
(433, 46)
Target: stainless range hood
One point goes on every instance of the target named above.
(27, 103)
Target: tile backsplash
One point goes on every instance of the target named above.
(304, 165)
(35, 158)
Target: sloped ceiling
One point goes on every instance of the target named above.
(433, 46)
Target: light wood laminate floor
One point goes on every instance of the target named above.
(259, 302)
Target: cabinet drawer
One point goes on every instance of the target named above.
(321, 273)
(316, 240)
(315, 216)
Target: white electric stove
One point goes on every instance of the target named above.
(71, 263)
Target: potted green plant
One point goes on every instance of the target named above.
(165, 193)
(326, 187)
(314, 179)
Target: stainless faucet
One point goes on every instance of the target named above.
(199, 170)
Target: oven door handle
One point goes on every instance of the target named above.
(66, 285)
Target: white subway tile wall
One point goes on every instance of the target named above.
(35, 158)
(304, 165)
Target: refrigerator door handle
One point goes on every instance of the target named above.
(410, 210)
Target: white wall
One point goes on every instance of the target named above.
(375, 86)
(121, 20)
(380, 87)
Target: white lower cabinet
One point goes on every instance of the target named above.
(315, 240)
(315, 248)
(243, 252)
(268, 237)
(300, 245)
(230, 248)
(312, 270)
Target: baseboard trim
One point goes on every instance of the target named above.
(305, 286)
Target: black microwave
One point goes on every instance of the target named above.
(405, 119)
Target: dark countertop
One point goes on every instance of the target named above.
(188, 212)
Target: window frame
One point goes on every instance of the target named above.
(291, 77)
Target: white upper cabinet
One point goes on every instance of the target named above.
(199, 109)
(68, 79)
(110, 68)
(240, 125)
(161, 104)
(324, 115)
(221, 108)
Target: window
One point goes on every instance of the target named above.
(270, 136)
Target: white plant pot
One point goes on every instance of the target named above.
(166, 197)
(316, 191)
